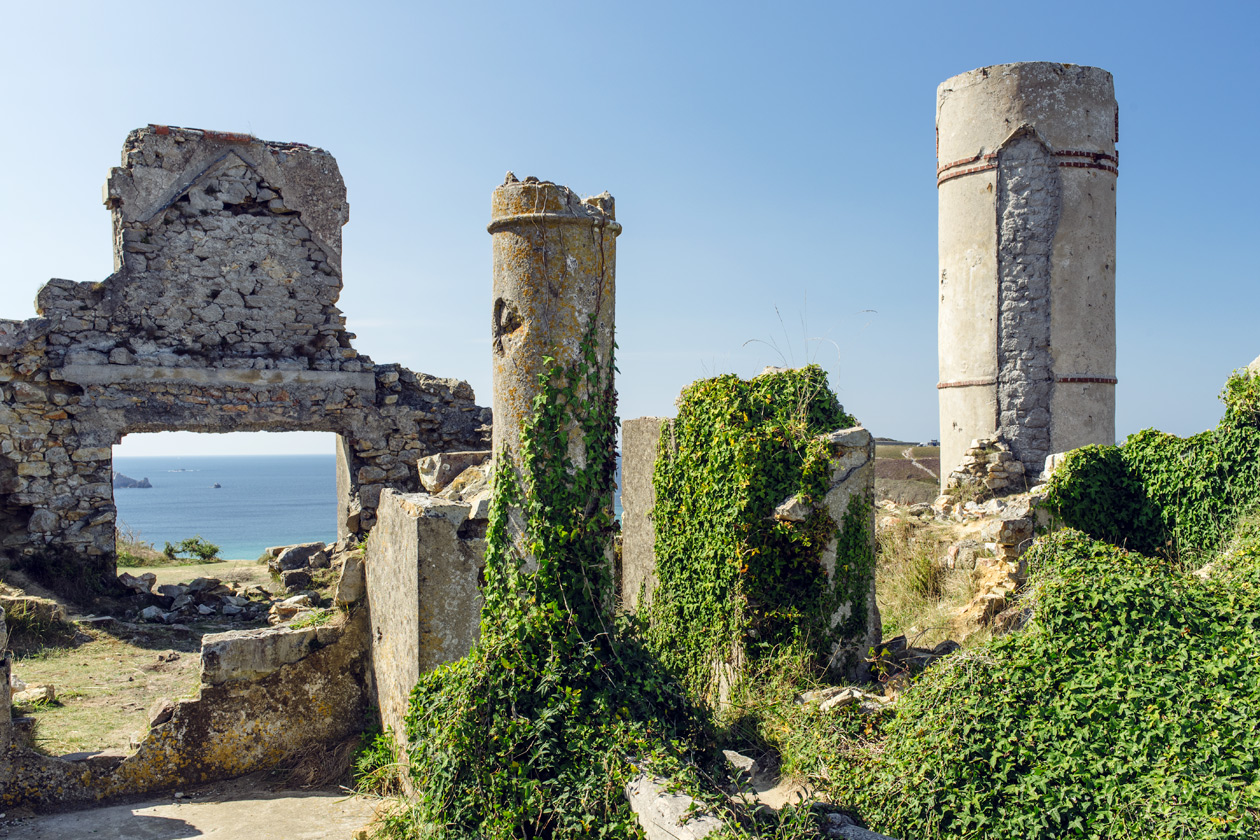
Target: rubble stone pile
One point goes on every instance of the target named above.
(990, 467)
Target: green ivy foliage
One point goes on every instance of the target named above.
(532, 733)
(729, 574)
(1160, 493)
(1129, 708)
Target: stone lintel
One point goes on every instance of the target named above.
(364, 382)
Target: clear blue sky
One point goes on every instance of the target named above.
(763, 157)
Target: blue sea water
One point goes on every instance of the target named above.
(262, 500)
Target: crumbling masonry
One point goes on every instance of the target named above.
(220, 316)
(1027, 168)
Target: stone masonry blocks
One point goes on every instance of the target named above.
(221, 316)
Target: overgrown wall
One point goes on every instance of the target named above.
(764, 529)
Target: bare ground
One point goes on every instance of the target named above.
(108, 674)
(256, 807)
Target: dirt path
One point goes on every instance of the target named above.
(244, 809)
(908, 454)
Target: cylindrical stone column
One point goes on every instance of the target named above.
(555, 259)
(1026, 179)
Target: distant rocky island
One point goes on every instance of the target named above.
(127, 482)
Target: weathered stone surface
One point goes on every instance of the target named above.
(555, 259)
(853, 438)
(437, 471)
(469, 484)
(865, 700)
(142, 584)
(793, 510)
(640, 439)
(667, 816)
(152, 613)
(296, 579)
(40, 693)
(1026, 178)
(424, 597)
(852, 477)
(221, 316)
(250, 654)
(297, 556)
(351, 583)
(234, 726)
(988, 469)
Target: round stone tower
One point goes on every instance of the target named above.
(555, 266)
(1026, 178)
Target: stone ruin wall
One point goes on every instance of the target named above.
(852, 473)
(220, 316)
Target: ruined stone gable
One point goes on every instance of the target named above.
(220, 316)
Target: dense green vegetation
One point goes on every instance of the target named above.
(1161, 494)
(533, 734)
(730, 574)
(1128, 706)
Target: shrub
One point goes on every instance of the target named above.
(729, 573)
(1129, 708)
(193, 548)
(1160, 493)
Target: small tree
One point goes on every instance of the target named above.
(193, 548)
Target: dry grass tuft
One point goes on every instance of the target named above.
(917, 595)
(321, 765)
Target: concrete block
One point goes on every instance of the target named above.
(423, 589)
(640, 439)
(251, 654)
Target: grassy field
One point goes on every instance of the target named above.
(109, 675)
(235, 571)
(106, 681)
(907, 474)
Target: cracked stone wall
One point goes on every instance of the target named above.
(1028, 204)
(220, 316)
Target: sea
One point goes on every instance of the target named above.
(241, 503)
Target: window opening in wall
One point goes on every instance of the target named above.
(243, 492)
(196, 513)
